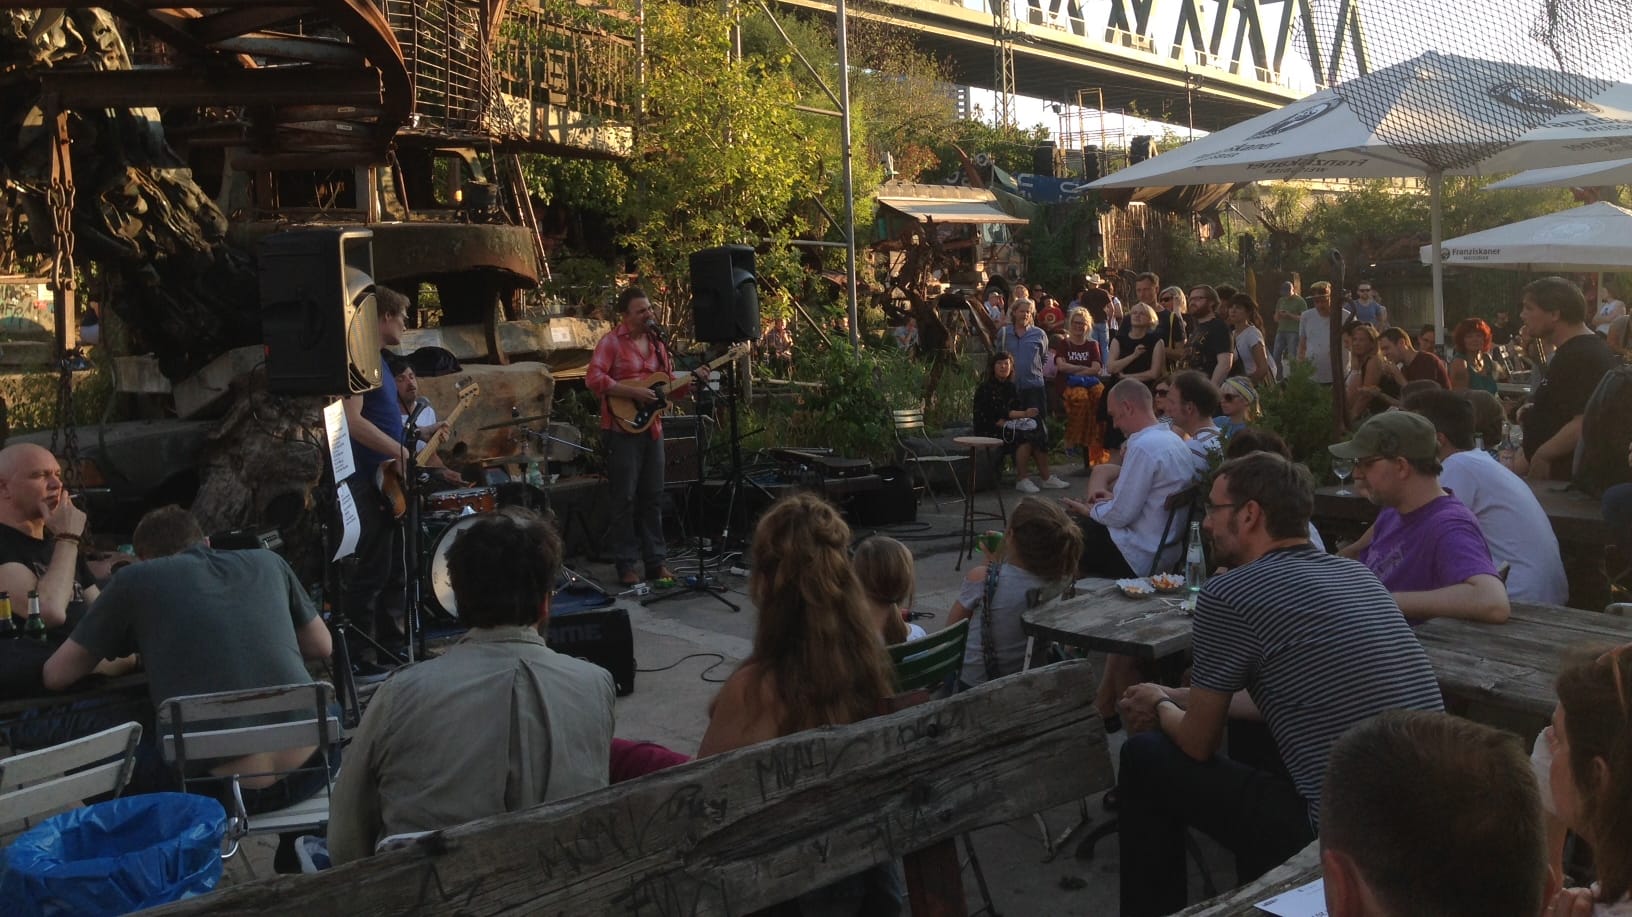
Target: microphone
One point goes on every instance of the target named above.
(656, 331)
(420, 404)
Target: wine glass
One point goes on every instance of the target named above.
(1343, 467)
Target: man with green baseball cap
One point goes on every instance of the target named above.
(1425, 546)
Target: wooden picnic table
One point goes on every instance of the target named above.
(1511, 666)
(1300, 870)
(1576, 517)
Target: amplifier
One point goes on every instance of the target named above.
(600, 637)
(680, 446)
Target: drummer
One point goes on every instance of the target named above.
(427, 425)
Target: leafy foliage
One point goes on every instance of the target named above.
(1301, 412)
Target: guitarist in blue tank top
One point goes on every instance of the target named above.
(631, 367)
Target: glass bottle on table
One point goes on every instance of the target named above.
(34, 629)
(1195, 567)
(8, 624)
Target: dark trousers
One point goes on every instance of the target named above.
(374, 594)
(634, 464)
(1618, 515)
(1100, 555)
(1256, 814)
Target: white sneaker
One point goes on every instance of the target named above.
(1025, 486)
(1055, 482)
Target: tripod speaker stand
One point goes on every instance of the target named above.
(701, 582)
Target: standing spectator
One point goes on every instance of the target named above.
(1609, 309)
(1309, 643)
(1509, 515)
(1472, 366)
(1098, 304)
(1428, 340)
(1247, 328)
(1172, 315)
(1555, 312)
(1315, 334)
(1050, 316)
(1028, 344)
(996, 309)
(1397, 787)
(1079, 363)
(1504, 328)
(1288, 309)
(777, 346)
(1425, 546)
(1405, 364)
(1368, 308)
(1122, 526)
(1211, 352)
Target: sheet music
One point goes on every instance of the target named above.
(350, 524)
(334, 424)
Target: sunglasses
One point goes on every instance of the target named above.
(1165, 298)
(1229, 397)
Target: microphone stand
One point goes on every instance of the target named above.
(413, 636)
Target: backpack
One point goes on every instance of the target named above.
(1606, 434)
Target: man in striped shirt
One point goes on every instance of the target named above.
(1306, 642)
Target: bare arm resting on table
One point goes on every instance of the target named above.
(1481, 598)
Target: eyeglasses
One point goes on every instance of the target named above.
(1613, 657)
(1208, 507)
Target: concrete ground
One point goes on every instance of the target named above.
(685, 646)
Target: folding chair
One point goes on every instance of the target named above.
(916, 449)
(204, 727)
(922, 667)
(1183, 506)
(46, 781)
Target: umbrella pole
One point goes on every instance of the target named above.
(1436, 221)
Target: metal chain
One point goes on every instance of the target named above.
(60, 200)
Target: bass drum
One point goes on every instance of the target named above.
(437, 588)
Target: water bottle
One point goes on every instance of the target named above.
(1195, 566)
(1479, 442)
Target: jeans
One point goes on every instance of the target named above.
(1286, 344)
(1257, 815)
(1102, 334)
(634, 465)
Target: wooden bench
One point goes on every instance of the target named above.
(741, 831)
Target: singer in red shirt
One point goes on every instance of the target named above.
(628, 354)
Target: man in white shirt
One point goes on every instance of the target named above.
(1122, 529)
(1315, 333)
(1512, 520)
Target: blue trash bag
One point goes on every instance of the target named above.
(115, 857)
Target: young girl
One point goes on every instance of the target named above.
(884, 567)
(1037, 561)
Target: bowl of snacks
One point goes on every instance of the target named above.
(1167, 582)
(1135, 588)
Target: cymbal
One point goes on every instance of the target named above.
(507, 460)
(514, 422)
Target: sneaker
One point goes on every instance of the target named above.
(1055, 482)
(1025, 486)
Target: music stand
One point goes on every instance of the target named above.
(700, 582)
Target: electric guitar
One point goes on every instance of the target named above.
(389, 479)
(633, 417)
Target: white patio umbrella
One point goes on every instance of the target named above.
(1590, 238)
(1431, 116)
(1590, 175)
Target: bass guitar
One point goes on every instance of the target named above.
(634, 417)
(389, 479)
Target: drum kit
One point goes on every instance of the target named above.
(445, 514)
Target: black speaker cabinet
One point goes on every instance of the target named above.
(725, 294)
(1042, 159)
(601, 637)
(317, 311)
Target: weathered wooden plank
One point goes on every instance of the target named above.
(1101, 618)
(1303, 868)
(737, 832)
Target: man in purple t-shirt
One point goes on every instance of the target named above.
(1425, 546)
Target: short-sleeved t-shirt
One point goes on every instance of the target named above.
(1009, 600)
(18, 547)
(1575, 370)
(1084, 354)
(1210, 340)
(1515, 526)
(1436, 545)
(204, 620)
(380, 408)
(1296, 305)
(1245, 340)
(1318, 643)
(1428, 366)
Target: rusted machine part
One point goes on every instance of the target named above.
(415, 251)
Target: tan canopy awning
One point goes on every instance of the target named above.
(950, 211)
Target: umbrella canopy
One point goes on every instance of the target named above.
(1590, 238)
(1590, 175)
(1430, 116)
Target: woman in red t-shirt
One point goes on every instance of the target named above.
(1078, 365)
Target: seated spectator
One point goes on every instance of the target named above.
(1398, 787)
(999, 412)
(40, 532)
(1488, 419)
(1029, 347)
(1472, 366)
(1583, 762)
(1257, 439)
(1425, 546)
(1555, 312)
(1191, 403)
(885, 570)
(498, 723)
(1428, 340)
(816, 661)
(1122, 526)
(1406, 364)
(1512, 520)
(1036, 563)
(1238, 402)
(1309, 643)
(204, 621)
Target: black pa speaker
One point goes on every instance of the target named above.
(318, 319)
(1042, 159)
(725, 294)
